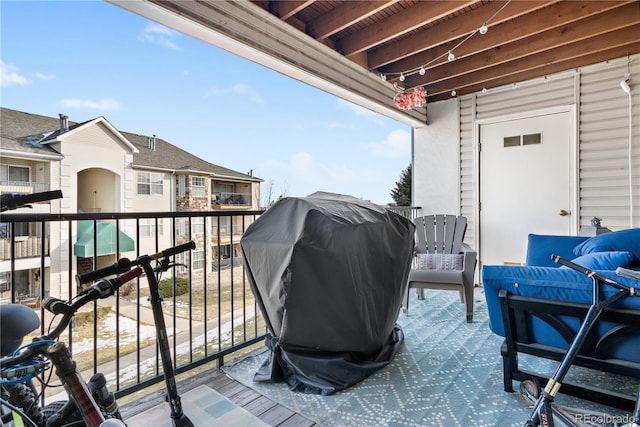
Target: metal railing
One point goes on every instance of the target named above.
(23, 187)
(409, 212)
(216, 316)
(226, 198)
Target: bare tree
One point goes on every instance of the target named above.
(268, 193)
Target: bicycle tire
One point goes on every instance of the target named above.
(73, 419)
(22, 396)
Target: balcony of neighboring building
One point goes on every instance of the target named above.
(230, 200)
(23, 187)
(24, 239)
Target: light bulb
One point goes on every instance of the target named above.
(484, 90)
(451, 56)
(454, 93)
(383, 77)
(483, 29)
(401, 77)
(422, 71)
(625, 86)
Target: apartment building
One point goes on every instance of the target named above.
(101, 169)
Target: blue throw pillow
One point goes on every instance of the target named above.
(605, 260)
(622, 240)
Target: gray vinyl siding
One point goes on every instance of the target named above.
(602, 108)
(468, 168)
(604, 143)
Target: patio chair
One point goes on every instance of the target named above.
(442, 259)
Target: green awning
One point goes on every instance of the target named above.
(106, 235)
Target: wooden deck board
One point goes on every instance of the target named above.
(267, 410)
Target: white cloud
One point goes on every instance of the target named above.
(158, 34)
(360, 111)
(45, 76)
(241, 89)
(396, 145)
(103, 104)
(9, 76)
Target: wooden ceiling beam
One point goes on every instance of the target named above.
(344, 16)
(575, 63)
(450, 30)
(422, 13)
(575, 32)
(286, 9)
(561, 58)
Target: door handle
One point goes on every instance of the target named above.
(563, 212)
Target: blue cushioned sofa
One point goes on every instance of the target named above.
(538, 308)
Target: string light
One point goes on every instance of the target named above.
(450, 55)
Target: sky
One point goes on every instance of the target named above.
(87, 59)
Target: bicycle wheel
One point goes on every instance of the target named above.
(23, 397)
(57, 418)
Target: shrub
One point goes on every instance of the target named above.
(166, 286)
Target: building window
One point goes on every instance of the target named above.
(5, 281)
(148, 227)
(150, 183)
(181, 260)
(197, 225)
(181, 186)
(21, 230)
(197, 260)
(9, 173)
(224, 225)
(197, 186)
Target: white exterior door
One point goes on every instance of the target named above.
(527, 182)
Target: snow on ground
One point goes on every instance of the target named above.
(107, 338)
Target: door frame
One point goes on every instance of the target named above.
(573, 163)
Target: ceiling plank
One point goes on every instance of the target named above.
(544, 63)
(575, 32)
(572, 64)
(449, 30)
(344, 16)
(422, 13)
(286, 9)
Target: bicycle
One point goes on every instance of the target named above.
(93, 406)
(545, 412)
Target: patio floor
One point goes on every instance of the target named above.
(265, 409)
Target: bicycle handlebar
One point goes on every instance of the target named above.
(124, 264)
(101, 289)
(11, 201)
(118, 267)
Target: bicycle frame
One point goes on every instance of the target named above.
(543, 413)
(59, 355)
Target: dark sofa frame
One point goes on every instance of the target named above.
(515, 312)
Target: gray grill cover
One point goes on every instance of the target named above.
(329, 273)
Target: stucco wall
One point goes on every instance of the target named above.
(436, 154)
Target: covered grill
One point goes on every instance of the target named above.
(329, 273)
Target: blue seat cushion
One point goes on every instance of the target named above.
(540, 247)
(623, 240)
(605, 260)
